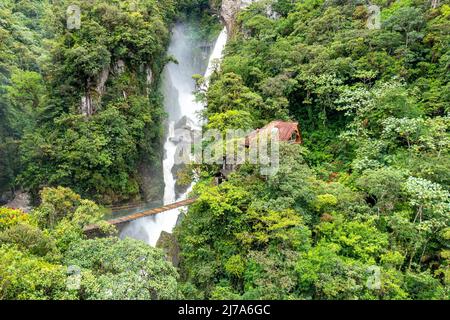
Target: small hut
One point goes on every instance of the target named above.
(287, 131)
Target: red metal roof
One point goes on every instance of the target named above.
(285, 131)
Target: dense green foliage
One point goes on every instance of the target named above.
(112, 63)
(46, 255)
(80, 108)
(21, 54)
(123, 269)
(362, 210)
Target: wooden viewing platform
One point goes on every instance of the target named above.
(143, 214)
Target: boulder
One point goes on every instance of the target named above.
(169, 244)
(185, 123)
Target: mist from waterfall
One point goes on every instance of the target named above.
(179, 102)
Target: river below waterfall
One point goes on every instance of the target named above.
(179, 102)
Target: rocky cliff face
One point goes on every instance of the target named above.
(94, 92)
(96, 87)
(229, 11)
(169, 244)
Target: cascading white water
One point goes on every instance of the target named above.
(179, 101)
(217, 53)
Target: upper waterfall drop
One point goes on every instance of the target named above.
(178, 88)
(217, 54)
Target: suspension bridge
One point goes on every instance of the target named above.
(140, 214)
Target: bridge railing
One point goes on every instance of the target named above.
(142, 214)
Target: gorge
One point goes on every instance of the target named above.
(93, 117)
(180, 104)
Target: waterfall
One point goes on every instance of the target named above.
(217, 53)
(179, 102)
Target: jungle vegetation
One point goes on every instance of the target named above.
(361, 210)
(369, 188)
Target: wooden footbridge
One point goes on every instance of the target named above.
(93, 228)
